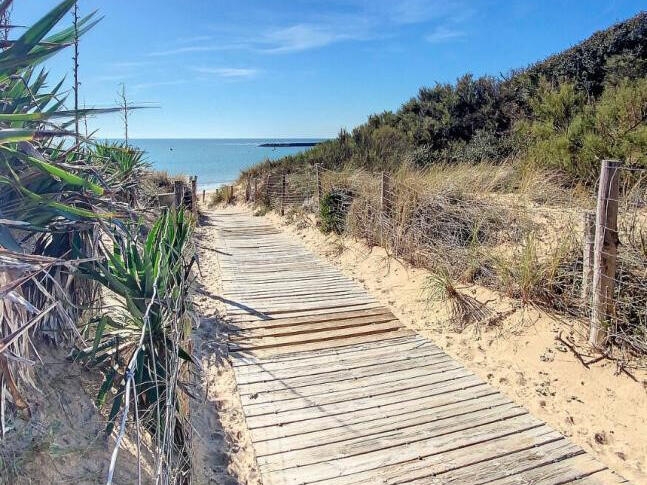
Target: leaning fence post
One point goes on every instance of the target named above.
(587, 255)
(605, 251)
(178, 190)
(194, 196)
(319, 186)
(283, 195)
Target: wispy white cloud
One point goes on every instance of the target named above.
(228, 72)
(444, 33)
(301, 37)
(292, 38)
(195, 38)
(357, 20)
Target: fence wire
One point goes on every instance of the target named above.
(531, 251)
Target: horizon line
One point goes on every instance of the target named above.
(222, 138)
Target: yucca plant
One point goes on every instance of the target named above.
(57, 201)
(123, 165)
(51, 196)
(140, 347)
(44, 206)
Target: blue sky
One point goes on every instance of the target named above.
(302, 68)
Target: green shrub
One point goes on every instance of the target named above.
(333, 210)
(572, 136)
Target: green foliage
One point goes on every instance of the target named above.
(333, 209)
(144, 336)
(570, 135)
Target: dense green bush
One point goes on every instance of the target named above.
(333, 209)
(571, 135)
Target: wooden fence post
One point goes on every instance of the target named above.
(319, 186)
(587, 256)
(204, 195)
(248, 189)
(178, 190)
(194, 196)
(605, 251)
(255, 188)
(283, 195)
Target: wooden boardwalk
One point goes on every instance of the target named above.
(336, 391)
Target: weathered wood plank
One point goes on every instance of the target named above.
(276, 392)
(325, 344)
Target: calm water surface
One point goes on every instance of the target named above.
(214, 161)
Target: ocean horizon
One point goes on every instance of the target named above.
(215, 161)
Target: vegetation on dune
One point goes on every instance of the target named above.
(62, 196)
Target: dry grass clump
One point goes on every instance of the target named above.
(160, 181)
(364, 219)
(479, 177)
(552, 280)
(452, 228)
(463, 309)
(629, 319)
(223, 195)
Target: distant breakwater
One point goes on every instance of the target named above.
(291, 144)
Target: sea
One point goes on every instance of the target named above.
(215, 161)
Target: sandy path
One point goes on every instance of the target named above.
(222, 447)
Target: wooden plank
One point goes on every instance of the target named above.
(321, 318)
(311, 418)
(417, 430)
(383, 422)
(303, 331)
(325, 344)
(582, 468)
(296, 310)
(502, 465)
(246, 317)
(423, 383)
(346, 364)
(392, 406)
(265, 332)
(407, 450)
(324, 336)
(277, 392)
(436, 468)
(371, 349)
